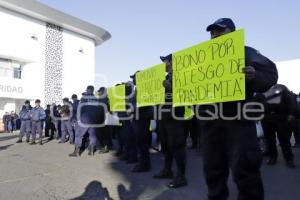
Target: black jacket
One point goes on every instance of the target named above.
(91, 112)
(141, 113)
(167, 109)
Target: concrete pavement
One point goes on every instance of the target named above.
(46, 172)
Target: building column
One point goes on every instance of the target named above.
(54, 64)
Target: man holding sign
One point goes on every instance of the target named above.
(170, 126)
(232, 143)
(143, 113)
(127, 134)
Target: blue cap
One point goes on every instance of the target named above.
(166, 58)
(222, 23)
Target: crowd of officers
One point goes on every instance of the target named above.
(225, 144)
(11, 122)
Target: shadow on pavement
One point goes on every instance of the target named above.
(5, 147)
(139, 182)
(8, 137)
(94, 191)
(142, 185)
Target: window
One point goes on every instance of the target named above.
(10, 69)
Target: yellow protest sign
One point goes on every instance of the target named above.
(149, 85)
(210, 72)
(188, 113)
(116, 96)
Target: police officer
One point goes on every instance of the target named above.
(119, 137)
(141, 124)
(127, 134)
(280, 107)
(37, 116)
(172, 134)
(5, 120)
(49, 126)
(91, 114)
(103, 133)
(232, 144)
(75, 104)
(14, 118)
(25, 122)
(66, 124)
(11, 122)
(296, 122)
(55, 116)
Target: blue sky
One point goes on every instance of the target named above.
(143, 30)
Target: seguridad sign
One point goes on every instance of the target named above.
(11, 89)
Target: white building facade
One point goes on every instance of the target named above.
(44, 54)
(289, 74)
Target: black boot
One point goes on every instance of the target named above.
(164, 174)
(76, 152)
(91, 150)
(19, 141)
(27, 140)
(178, 181)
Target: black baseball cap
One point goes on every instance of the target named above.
(166, 58)
(222, 23)
(27, 102)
